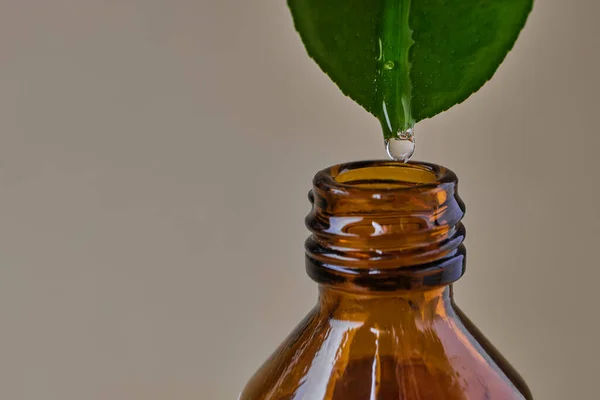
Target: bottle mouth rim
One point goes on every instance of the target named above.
(387, 176)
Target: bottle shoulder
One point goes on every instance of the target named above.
(358, 359)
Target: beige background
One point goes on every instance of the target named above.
(154, 163)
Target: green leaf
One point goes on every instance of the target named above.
(406, 60)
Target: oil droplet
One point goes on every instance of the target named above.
(402, 147)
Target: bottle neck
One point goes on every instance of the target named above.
(385, 226)
(425, 305)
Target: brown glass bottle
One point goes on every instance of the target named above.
(385, 248)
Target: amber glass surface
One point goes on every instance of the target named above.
(386, 246)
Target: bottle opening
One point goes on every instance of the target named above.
(387, 176)
(366, 178)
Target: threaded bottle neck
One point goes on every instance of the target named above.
(385, 225)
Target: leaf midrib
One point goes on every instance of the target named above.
(394, 86)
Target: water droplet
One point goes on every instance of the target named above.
(402, 147)
(389, 65)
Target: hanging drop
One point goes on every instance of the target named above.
(401, 148)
